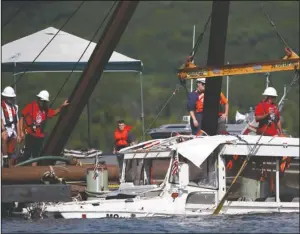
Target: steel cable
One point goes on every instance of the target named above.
(164, 106)
(200, 38)
(71, 16)
(74, 67)
(70, 74)
(12, 16)
(273, 25)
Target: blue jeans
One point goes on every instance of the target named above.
(199, 116)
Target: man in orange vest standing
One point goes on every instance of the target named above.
(32, 122)
(10, 129)
(123, 138)
(195, 108)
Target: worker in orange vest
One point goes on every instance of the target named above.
(10, 129)
(195, 108)
(123, 136)
(32, 123)
(268, 117)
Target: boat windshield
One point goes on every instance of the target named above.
(146, 171)
(206, 176)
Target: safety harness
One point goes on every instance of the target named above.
(13, 109)
(34, 125)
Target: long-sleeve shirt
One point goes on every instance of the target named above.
(192, 99)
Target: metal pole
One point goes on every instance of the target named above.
(227, 89)
(267, 79)
(15, 82)
(277, 181)
(227, 86)
(89, 123)
(194, 34)
(142, 106)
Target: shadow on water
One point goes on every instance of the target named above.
(254, 223)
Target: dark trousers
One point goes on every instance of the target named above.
(221, 126)
(199, 116)
(120, 158)
(33, 146)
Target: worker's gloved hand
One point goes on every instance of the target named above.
(272, 117)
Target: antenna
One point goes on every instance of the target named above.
(281, 102)
(227, 89)
(194, 32)
(267, 79)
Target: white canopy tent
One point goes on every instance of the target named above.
(60, 55)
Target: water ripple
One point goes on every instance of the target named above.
(264, 223)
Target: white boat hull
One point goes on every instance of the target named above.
(163, 207)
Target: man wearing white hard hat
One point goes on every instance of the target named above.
(196, 105)
(10, 129)
(266, 111)
(268, 117)
(32, 123)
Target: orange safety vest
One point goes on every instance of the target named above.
(121, 137)
(200, 103)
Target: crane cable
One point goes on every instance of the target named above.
(196, 46)
(273, 25)
(12, 16)
(71, 16)
(192, 54)
(294, 79)
(200, 38)
(282, 40)
(165, 104)
(74, 67)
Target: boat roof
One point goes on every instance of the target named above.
(198, 149)
(157, 148)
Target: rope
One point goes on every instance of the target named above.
(70, 74)
(12, 16)
(166, 103)
(200, 38)
(295, 78)
(95, 34)
(273, 25)
(246, 161)
(71, 16)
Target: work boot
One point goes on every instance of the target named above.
(5, 161)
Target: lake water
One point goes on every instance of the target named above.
(264, 223)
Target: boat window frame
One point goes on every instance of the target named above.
(185, 160)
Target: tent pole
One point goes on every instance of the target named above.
(15, 84)
(142, 106)
(89, 123)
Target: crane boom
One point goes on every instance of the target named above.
(190, 71)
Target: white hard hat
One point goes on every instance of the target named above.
(44, 95)
(8, 92)
(202, 80)
(270, 91)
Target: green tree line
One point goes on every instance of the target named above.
(159, 34)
